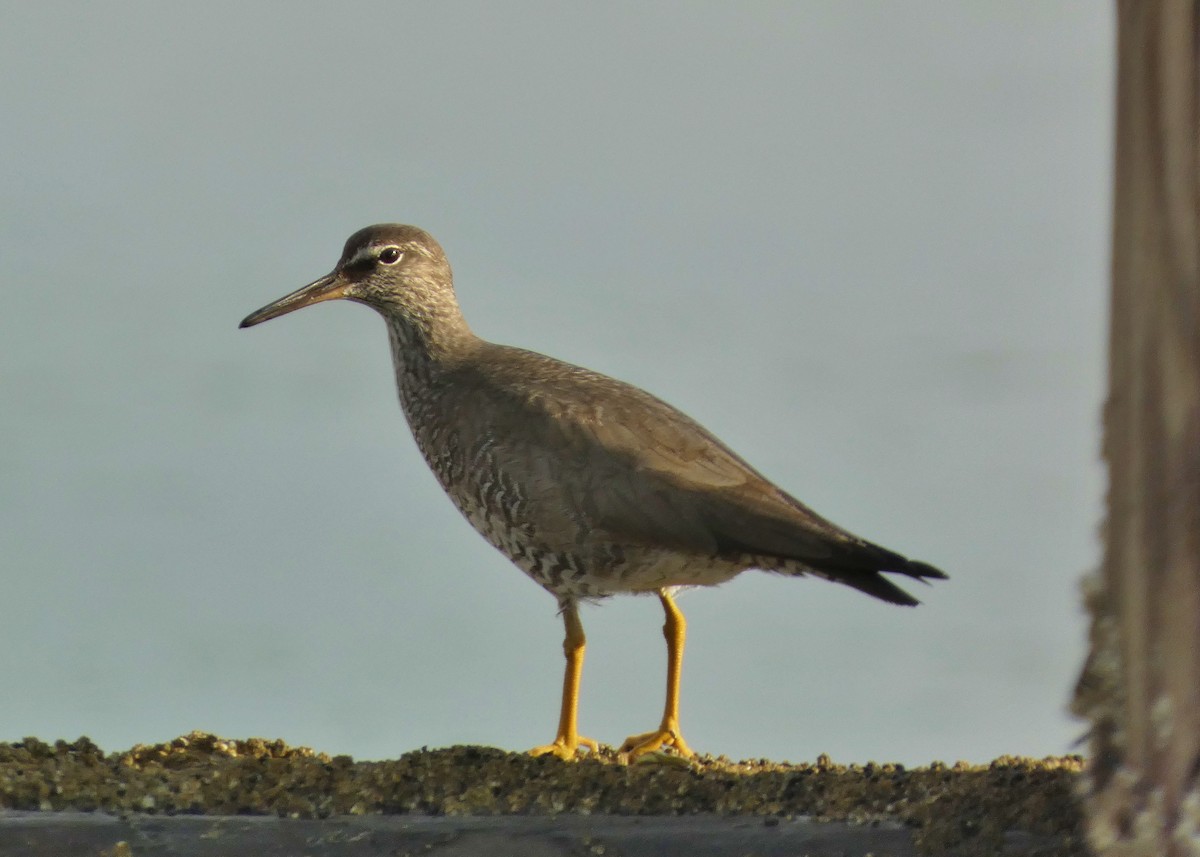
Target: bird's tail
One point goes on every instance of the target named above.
(873, 582)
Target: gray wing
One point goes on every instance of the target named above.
(646, 473)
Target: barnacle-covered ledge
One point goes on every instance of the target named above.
(958, 808)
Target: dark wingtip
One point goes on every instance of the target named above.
(875, 584)
(923, 571)
(884, 589)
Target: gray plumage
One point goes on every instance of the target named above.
(591, 486)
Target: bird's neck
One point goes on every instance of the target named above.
(427, 343)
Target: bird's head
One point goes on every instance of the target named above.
(398, 270)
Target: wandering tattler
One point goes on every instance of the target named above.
(589, 485)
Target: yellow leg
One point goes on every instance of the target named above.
(568, 740)
(667, 734)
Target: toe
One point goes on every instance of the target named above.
(561, 750)
(651, 742)
(564, 749)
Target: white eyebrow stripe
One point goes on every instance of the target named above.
(372, 251)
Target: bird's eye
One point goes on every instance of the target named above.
(390, 255)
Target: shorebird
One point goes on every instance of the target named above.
(591, 486)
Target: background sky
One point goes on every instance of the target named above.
(865, 243)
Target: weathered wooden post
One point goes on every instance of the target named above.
(1141, 685)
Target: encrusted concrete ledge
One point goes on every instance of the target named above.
(200, 795)
(443, 836)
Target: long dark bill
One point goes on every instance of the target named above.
(328, 288)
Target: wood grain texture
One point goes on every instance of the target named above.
(1141, 685)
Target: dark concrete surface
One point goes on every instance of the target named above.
(23, 834)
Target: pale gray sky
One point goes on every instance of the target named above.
(864, 243)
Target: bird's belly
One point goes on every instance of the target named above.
(576, 571)
(547, 533)
(593, 567)
(654, 569)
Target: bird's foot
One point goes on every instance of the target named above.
(566, 748)
(666, 735)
